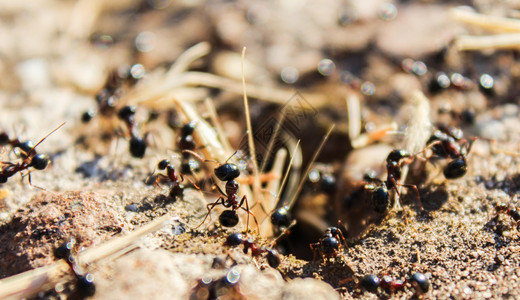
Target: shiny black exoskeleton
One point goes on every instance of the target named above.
(447, 142)
(237, 239)
(281, 218)
(177, 189)
(420, 283)
(186, 142)
(372, 283)
(85, 286)
(30, 158)
(228, 172)
(330, 244)
(137, 144)
(379, 189)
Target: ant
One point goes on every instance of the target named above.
(85, 286)
(281, 218)
(227, 172)
(448, 142)
(512, 212)
(237, 239)
(379, 193)
(372, 283)
(137, 144)
(330, 244)
(177, 188)
(30, 159)
(186, 142)
(24, 146)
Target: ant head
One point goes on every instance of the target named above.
(380, 199)
(137, 147)
(88, 115)
(188, 128)
(281, 217)
(40, 161)
(329, 245)
(228, 218)
(227, 172)
(370, 283)
(234, 239)
(126, 113)
(396, 155)
(272, 258)
(328, 184)
(163, 164)
(3, 178)
(420, 282)
(456, 168)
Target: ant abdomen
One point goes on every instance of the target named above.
(380, 200)
(228, 218)
(137, 147)
(456, 168)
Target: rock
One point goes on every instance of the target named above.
(143, 274)
(308, 288)
(417, 30)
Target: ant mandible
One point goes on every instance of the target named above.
(227, 172)
(329, 245)
(447, 142)
(30, 159)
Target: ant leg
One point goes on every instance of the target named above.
(244, 199)
(210, 207)
(416, 191)
(196, 155)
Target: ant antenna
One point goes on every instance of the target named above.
(32, 149)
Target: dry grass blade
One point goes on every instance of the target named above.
(354, 116)
(30, 283)
(273, 139)
(499, 41)
(488, 22)
(251, 142)
(302, 180)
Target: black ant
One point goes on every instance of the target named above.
(237, 239)
(281, 219)
(330, 245)
(137, 144)
(227, 172)
(372, 283)
(30, 159)
(177, 189)
(379, 193)
(447, 142)
(85, 286)
(24, 146)
(186, 142)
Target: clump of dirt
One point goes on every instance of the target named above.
(36, 229)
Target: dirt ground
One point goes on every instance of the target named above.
(56, 56)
